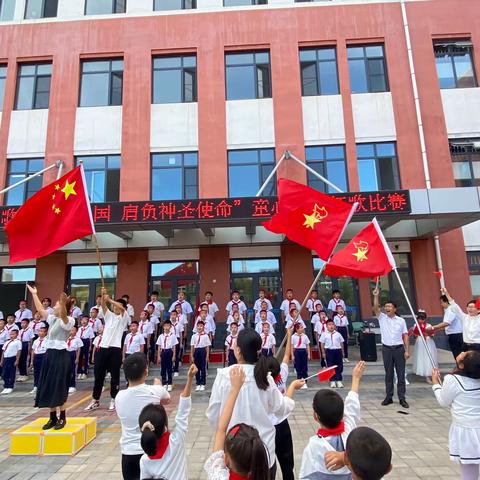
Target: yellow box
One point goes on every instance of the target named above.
(67, 441)
(90, 424)
(27, 440)
(39, 421)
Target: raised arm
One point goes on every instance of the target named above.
(455, 307)
(288, 346)
(37, 302)
(63, 307)
(376, 304)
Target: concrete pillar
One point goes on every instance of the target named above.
(51, 275)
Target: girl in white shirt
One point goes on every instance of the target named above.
(165, 455)
(461, 392)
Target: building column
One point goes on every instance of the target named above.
(51, 275)
(365, 298)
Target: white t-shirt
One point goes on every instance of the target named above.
(300, 341)
(332, 341)
(392, 329)
(145, 328)
(36, 325)
(25, 335)
(312, 304)
(209, 323)
(270, 318)
(11, 347)
(85, 333)
(130, 310)
(114, 327)
(268, 341)
(167, 341)
(186, 307)
(332, 304)
(340, 320)
(454, 321)
(290, 322)
(285, 306)
(73, 344)
(23, 315)
(259, 328)
(471, 325)
(159, 307)
(242, 308)
(200, 340)
(258, 304)
(133, 342)
(39, 346)
(173, 464)
(212, 308)
(128, 405)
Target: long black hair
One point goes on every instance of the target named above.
(471, 365)
(153, 422)
(247, 452)
(249, 343)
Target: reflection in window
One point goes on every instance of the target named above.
(102, 174)
(18, 169)
(377, 167)
(319, 71)
(101, 83)
(7, 9)
(328, 161)
(104, 7)
(248, 170)
(3, 77)
(87, 272)
(21, 274)
(473, 259)
(368, 69)
(257, 265)
(33, 86)
(466, 162)
(41, 9)
(174, 269)
(174, 4)
(241, 3)
(454, 63)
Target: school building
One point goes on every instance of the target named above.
(180, 109)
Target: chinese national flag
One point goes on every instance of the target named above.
(310, 218)
(366, 255)
(56, 215)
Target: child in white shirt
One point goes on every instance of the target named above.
(230, 344)
(235, 317)
(199, 351)
(86, 335)
(134, 341)
(158, 307)
(331, 344)
(268, 315)
(167, 343)
(320, 322)
(294, 318)
(263, 319)
(36, 324)
(12, 349)
(268, 340)
(39, 348)
(341, 322)
(74, 346)
(301, 352)
(25, 335)
(242, 308)
(257, 306)
(335, 301)
(286, 305)
(212, 306)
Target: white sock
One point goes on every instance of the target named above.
(469, 471)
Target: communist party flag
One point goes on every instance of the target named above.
(56, 215)
(310, 218)
(366, 255)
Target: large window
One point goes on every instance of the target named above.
(174, 176)
(328, 161)
(319, 71)
(466, 162)
(41, 8)
(3, 78)
(240, 3)
(19, 169)
(102, 83)
(104, 7)
(7, 9)
(102, 174)
(33, 86)
(368, 69)
(248, 170)
(454, 62)
(377, 166)
(175, 79)
(473, 259)
(248, 75)
(174, 4)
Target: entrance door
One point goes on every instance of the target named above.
(251, 275)
(170, 278)
(13, 288)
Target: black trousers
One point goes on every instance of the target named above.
(22, 363)
(471, 346)
(131, 467)
(200, 360)
(166, 368)
(107, 360)
(343, 331)
(37, 367)
(455, 341)
(394, 358)
(284, 449)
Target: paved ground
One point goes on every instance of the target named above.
(419, 439)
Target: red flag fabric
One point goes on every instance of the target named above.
(438, 275)
(56, 215)
(366, 255)
(310, 218)
(326, 374)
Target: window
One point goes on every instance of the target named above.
(319, 71)
(466, 162)
(377, 167)
(174, 4)
(455, 64)
(19, 169)
(104, 7)
(248, 170)
(18, 274)
(7, 9)
(175, 79)
(3, 77)
(328, 161)
(240, 3)
(41, 9)
(368, 69)
(257, 265)
(102, 83)
(473, 260)
(102, 174)
(174, 176)
(33, 87)
(81, 272)
(248, 75)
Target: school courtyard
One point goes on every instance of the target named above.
(418, 439)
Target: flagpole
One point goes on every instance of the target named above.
(99, 259)
(31, 177)
(272, 173)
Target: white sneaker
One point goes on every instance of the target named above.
(34, 390)
(346, 360)
(175, 374)
(339, 385)
(304, 387)
(197, 388)
(79, 376)
(6, 391)
(93, 405)
(202, 388)
(169, 388)
(112, 404)
(406, 381)
(333, 385)
(72, 390)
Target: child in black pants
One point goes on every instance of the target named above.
(200, 346)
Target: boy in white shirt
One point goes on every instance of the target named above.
(301, 352)
(36, 324)
(199, 351)
(270, 317)
(97, 342)
(12, 349)
(337, 419)
(167, 343)
(25, 335)
(3, 338)
(86, 335)
(145, 328)
(47, 305)
(331, 343)
(154, 327)
(98, 306)
(186, 307)
(209, 320)
(230, 343)
(74, 346)
(177, 329)
(264, 319)
(235, 317)
(341, 322)
(286, 306)
(312, 303)
(130, 309)
(268, 341)
(23, 313)
(39, 348)
(94, 320)
(158, 307)
(242, 308)
(335, 301)
(293, 318)
(212, 306)
(134, 341)
(257, 306)
(129, 403)
(319, 320)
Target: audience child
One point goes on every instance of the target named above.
(422, 364)
(461, 392)
(230, 343)
(183, 321)
(165, 452)
(74, 346)
(337, 419)
(97, 342)
(10, 325)
(36, 324)
(25, 335)
(86, 335)
(242, 308)
(335, 301)
(134, 341)
(208, 320)
(75, 311)
(199, 351)
(22, 313)
(128, 404)
(39, 348)
(320, 320)
(341, 322)
(98, 306)
(331, 343)
(286, 305)
(177, 329)
(167, 343)
(130, 309)
(268, 340)
(258, 305)
(12, 350)
(301, 352)
(94, 320)
(263, 319)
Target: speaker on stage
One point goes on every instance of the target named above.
(368, 346)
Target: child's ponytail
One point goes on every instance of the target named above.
(148, 439)
(153, 422)
(259, 460)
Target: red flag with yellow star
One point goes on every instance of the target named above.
(366, 255)
(56, 215)
(310, 218)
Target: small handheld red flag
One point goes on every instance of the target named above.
(438, 275)
(324, 375)
(56, 215)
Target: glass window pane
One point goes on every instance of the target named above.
(167, 160)
(476, 169)
(385, 149)
(263, 79)
(190, 61)
(355, 52)
(335, 151)
(25, 93)
(112, 185)
(42, 100)
(238, 58)
(236, 3)
(374, 51)
(94, 90)
(120, 6)
(34, 165)
(23, 274)
(464, 71)
(190, 159)
(328, 78)
(308, 55)
(375, 67)
(365, 150)
(167, 85)
(314, 153)
(50, 8)
(166, 269)
(337, 175)
(377, 83)
(96, 66)
(113, 161)
(387, 174)
(16, 196)
(262, 57)
(267, 155)
(445, 73)
(85, 272)
(117, 65)
(242, 156)
(43, 90)
(17, 166)
(167, 62)
(190, 87)
(33, 186)
(191, 192)
(117, 88)
(243, 181)
(474, 283)
(27, 70)
(255, 266)
(167, 5)
(358, 77)
(190, 176)
(461, 170)
(367, 175)
(309, 79)
(241, 83)
(96, 185)
(7, 9)
(98, 7)
(167, 184)
(93, 163)
(326, 54)
(34, 9)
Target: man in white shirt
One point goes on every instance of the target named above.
(23, 313)
(108, 358)
(129, 404)
(452, 324)
(395, 347)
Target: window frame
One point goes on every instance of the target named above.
(183, 167)
(183, 69)
(194, 6)
(317, 68)
(252, 3)
(113, 12)
(36, 76)
(466, 156)
(449, 47)
(42, 9)
(26, 172)
(324, 162)
(367, 68)
(4, 78)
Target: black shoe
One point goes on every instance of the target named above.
(60, 424)
(387, 401)
(404, 403)
(50, 424)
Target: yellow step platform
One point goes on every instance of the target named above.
(32, 440)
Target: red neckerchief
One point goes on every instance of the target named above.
(132, 336)
(236, 476)
(69, 341)
(264, 339)
(423, 329)
(341, 317)
(209, 302)
(162, 445)
(40, 340)
(22, 333)
(299, 344)
(331, 432)
(82, 331)
(199, 338)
